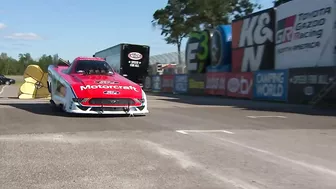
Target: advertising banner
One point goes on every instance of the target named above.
(197, 51)
(305, 83)
(220, 51)
(196, 83)
(239, 85)
(180, 83)
(156, 83)
(148, 83)
(253, 42)
(270, 85)
(167, 83)
(215, 83)
(305, 36)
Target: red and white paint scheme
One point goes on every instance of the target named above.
(90, 86)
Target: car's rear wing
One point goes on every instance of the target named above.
(60, 62)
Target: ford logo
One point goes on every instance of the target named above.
(111, 92)
(107, 82)
(135, 56)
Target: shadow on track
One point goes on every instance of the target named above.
(47, 109)
(246, 104)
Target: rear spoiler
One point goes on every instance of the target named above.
(60, 62)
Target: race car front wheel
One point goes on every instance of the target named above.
(55, 107)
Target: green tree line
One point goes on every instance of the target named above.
(12, 66)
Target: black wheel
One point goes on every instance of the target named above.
(55, 107)
(52, 104)
(62, 108)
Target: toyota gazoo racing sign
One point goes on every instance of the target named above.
(239, 85)
(305, 36)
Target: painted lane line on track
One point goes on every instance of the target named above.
(255, 117)
(313, 167)
(185, 132)
(186, 162)
(182, 132)
(54, 138)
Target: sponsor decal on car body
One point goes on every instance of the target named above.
(89, 87)
(111, 92)
(107, 82)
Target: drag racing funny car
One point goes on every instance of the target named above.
(89, 85)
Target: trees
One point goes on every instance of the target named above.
(173, 23)
(211, 13)
(11, 66)
(179, 17)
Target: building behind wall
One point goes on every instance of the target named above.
(167, 63)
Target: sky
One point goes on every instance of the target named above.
(72, 28)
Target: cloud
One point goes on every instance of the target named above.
(2, 26)
(24, 36)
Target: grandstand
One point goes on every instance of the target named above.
(167, 63)
(167, 58)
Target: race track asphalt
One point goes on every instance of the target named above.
(185, 142)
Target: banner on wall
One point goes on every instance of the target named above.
(305, 37)
(197, 51)
(180, 83)
(196, 83)
(167, 83)
(220, 49)
(239, 85)
(148, 83)
(271, 85)
(253, 42)
(305, 83)
(215, 83)
(156, 83)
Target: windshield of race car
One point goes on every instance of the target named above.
(93, 67)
